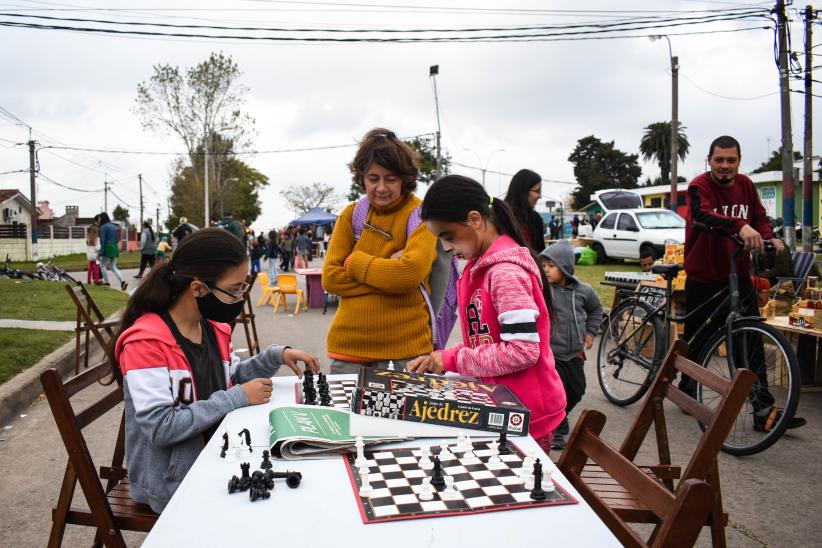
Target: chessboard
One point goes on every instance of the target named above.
(340, 391)
(396, 478)
(464, 395)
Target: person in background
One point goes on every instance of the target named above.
(303, 248)
(647, 258)
(92, 251)
(524, 192)
(578, 316)
(504, 302)
(232, 226)
(148, 248)
(182, 230)
(597, 218)
(287, 249)
(272, 252)
(174, 357)
(109, 249)
(585, 229)
(575, 226)
(257, 252)
(163, 249)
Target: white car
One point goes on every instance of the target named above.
(627, 233)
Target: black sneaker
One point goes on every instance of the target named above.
(123, 285)
(764, 423)
(558, 442)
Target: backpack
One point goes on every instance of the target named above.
(442, 302)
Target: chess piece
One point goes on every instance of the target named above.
(391, 365)
(247, 436)
(360, 462)
(224, 447)
(450, 492)
(258, 493)
(445, 454)
(365, 486)
(503, 443)
(427, 492)
(549, 480)
(461, 442)
(469, 457)
(266, 464)
(232, 455)
(425, 458)
(437, 479)
(537, 492)
(494, 457)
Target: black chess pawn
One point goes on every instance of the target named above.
(504, 449)
(225, 445)
(266, 464)
(233, 484)
(437, 479)
(325, 396)
(537, 493)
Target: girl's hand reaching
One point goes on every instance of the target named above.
(293, 355)
(258, 391)
(432, 363)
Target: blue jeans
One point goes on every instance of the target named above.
(272, 271)
(110, 263)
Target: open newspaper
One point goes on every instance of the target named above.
(310, 431)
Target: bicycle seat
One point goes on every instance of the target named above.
(667, 271)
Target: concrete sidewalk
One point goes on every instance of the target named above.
(772, 497)
(46, 325)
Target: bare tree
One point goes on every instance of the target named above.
(303, 197)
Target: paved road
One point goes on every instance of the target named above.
(772, 498)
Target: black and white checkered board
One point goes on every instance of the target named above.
(396, 478)
(391, 404)
(463, 395)
(340, 392)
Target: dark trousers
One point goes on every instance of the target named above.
(696, 294)
(285, 262)
(572, 375)
(146, 261)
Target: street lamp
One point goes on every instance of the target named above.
(484, 167)
(674, 117)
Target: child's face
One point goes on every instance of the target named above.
(464, 239)
(555, 275)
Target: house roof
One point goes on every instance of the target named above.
(7, 194)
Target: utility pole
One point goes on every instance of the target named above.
(105, 194)
(34, 216)
(140, 178)
(807, 175)
(206, 220)
(158, 220)
(674, 128)
(433, 71)
(788, 198)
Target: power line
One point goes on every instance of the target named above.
(41, 175)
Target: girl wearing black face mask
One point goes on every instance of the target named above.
(178, 368)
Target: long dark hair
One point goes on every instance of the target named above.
(518, 190)
(206, 254)
(452, 197)
(150, 230)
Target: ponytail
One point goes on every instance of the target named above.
(205, 255)
(452, 197)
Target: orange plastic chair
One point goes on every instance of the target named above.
(268, 291)
(288, 285)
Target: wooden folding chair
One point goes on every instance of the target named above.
(90, 321)
(246, 318)
(718, 421)
(111, 509)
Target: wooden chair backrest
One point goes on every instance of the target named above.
(90, 318)
(70, 425)
(681, 514)
(247, 316)
(718, 421)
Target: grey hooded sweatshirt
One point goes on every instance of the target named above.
(578, 310)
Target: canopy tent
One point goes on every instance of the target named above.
(315, 216)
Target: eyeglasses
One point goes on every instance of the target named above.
(235, 297)
(379, 231)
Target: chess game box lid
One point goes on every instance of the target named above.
(459, 402)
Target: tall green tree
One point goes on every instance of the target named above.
(656, 145)
(119, 213)
(426, 150)
(599, 165)
(774, 163)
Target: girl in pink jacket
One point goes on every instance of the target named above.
(503, 301)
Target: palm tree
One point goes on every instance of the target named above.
(656, 144)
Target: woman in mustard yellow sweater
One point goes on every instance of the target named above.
(376, 266)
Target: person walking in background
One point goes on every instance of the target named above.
(303, 249)
(257, 252)
(182, 230)
(109, 249)
(92, 251)
(162, 249)
(229, 223)
(272, 252)
(575, 226)
(287, 249)
(148, 249)
(524, 192)
(578, 316)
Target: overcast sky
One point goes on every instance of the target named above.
(534, 99)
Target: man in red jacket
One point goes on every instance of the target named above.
(726, 202)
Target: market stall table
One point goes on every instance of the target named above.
(810, 361)
(313, 285)
(323, 511)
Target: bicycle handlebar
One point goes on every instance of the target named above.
(740, 243)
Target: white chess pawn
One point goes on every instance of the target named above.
(427, 492)
(494, 458)
(468, 445)
(425, 458)
(365, 486)
(391, 365)
(548, 484)
(461, 441)
(360, 462)
(445, 454)
(469, 457)
(450, 492)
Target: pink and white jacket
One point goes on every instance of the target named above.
(506, 332)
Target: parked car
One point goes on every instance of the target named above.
(625, 234)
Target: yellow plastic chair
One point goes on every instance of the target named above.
(288, 285)
(268, 290)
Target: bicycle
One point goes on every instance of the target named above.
(52, 272)
(634, 343)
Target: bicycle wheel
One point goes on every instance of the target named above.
(777, 385)
(630, 351)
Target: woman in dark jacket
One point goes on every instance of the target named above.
(524, 192)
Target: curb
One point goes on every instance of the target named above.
(23, 389)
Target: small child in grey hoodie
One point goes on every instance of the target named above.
(573, 327)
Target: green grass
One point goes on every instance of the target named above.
(594, 274)
(78, 262)
(23, 348)
(38, 300)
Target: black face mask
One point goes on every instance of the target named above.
(216, 310)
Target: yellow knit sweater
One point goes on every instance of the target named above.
(382, 313)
